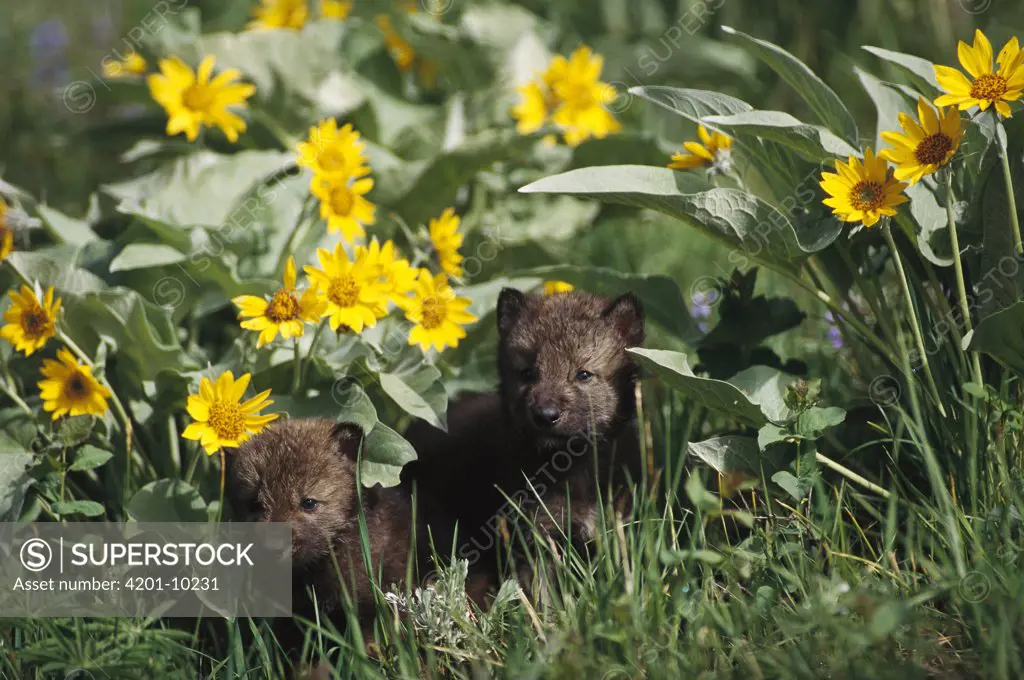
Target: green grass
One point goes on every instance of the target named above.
(845, 584)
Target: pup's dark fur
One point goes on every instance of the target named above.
(566, 385)
(303, 471)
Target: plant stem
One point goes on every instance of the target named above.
(851, 475)
(958, 268)
(314, 346)
(296, 367)
(119, 410)
(842, 314)
(9, 391)
(914, 323)
(220, 505)
(1004, 156)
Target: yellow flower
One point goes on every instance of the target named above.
(30, 323)
(986, 87)
(70, 388)
(6, 233)
(446, 239)
(399, 48)
(343, 206)
(192, 100)
(333, 151)
(925, 147)
(395, 275)
(712, 150)
(535, 105)
(582, 97)
(438, 313)
(280, 14)
(335, 9)
(132, 65)
(355, 297)
(285, 313)
(863, 192)
(222, 419)
(556, 287)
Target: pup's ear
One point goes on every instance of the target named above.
(349, 437)
(511, 304)
(626, 314)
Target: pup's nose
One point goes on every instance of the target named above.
(546, 416)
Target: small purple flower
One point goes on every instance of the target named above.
(834, 334)
(48, 48)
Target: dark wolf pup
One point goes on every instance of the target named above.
(566, 389)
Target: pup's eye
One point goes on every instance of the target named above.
(583, 376)
(528, 374)
(309, 504)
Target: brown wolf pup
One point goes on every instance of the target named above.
(303, 471)
(566, 392)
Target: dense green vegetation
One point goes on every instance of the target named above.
(834, 446)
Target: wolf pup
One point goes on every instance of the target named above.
(303, 471)
(566, 386)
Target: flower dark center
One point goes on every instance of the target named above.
(283, 307)
(227, 420)
(34, 322)
(434, 312)
(76, 387)
(332, 159)
(198, 97)
(990, 86)
(933, 149)
(344, 291)
(867, 196)
(341, 201)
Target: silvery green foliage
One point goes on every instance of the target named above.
(443, 613)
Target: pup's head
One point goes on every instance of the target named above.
(564, 369)
(301, 471)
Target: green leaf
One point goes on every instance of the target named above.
(74, 430)
(680, 556)
(813, 422)
(203, 189)
(797, 487)
(888, 104)
(923, 69)
(1002, 336)
(89, 457)
(145, 255)
(63, 276)
(14, 482)
(811, 142)
(661, 297)
(346, 398)
(87, 508)
(420, 190)
(167, 500)
(385, 453)
(695, 105)
(66, 229)
(418, 388)
(771, 434)
(701, 498)
(736, 218)
(825, 103)
(756, 385)
(728, 454)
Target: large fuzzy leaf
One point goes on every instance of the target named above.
(738, 219)
(825, 103)
(753, 396)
